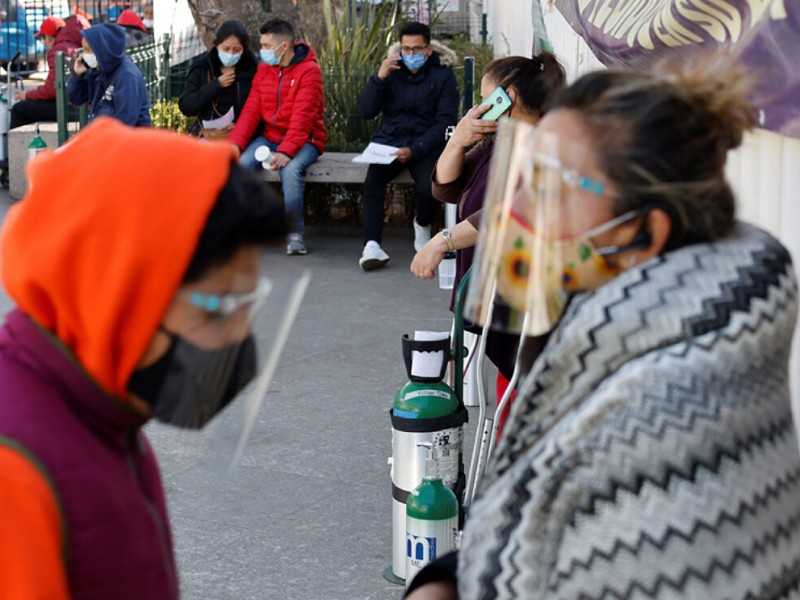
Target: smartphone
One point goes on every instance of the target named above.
(499, 102)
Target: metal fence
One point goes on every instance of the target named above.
(21, 19)
(447, 18)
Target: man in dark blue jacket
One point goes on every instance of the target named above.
(416, 91)
(107, 79)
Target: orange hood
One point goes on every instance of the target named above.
(96, 249)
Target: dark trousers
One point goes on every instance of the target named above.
(375, 192)
(25, 112)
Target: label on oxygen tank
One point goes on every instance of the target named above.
(426, 541)
(448, 443)
(428, 393)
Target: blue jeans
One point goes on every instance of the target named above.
(291, 175)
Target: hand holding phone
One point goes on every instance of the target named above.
(499, 102)
(79, 67)
(389, 64)
(473, 128)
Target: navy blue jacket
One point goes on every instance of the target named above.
(116, 87)
(417, 107)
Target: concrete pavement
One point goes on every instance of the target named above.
(308, 513)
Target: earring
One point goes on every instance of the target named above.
(629, 261)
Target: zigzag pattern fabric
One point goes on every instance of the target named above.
(655, 455)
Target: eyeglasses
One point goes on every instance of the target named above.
(227, 304)
(413, 49)
(574, 179)
(571, 177)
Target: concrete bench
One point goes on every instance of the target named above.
(337, 167)
(18, 140)
(332, 167)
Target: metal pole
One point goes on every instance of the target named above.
(484, 29)
(469, 84)
(165, 68)
(458, 337)
(61, 99)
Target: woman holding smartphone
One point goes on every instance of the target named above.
(461, 173)
(463, 167)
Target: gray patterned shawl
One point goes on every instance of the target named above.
(655, 456)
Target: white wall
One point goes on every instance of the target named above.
(175, 17)
(509, 25)
(764, 172)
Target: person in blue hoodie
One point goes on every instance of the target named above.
(107, 79)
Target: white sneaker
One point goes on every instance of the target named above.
(295, 245)
(422, 235)
(373, 257)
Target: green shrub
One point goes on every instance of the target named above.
(350, 45)
(165, 114)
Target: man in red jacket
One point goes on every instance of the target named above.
(37, 105)
(287, 95)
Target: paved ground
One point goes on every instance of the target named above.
(308, 514)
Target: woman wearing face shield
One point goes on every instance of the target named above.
(652, 451)
(462, 171)
(131, 301)
(220, 80)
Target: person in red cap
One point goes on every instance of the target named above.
(135, 31)
(113, 326)
(39, 104)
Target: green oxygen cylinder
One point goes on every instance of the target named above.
(425, 410)
(36, 145)
(431, 518)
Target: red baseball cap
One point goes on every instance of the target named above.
(128, 17)
(50, 26)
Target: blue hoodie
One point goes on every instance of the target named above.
(116, 87)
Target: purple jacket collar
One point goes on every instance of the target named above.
(42, 352)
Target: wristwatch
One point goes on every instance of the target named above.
(448, 239)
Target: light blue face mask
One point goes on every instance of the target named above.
(268, 57)
(414, 62)
(228, 60)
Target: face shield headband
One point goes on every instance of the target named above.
(535, 246)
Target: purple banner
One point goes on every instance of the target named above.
(764, 34)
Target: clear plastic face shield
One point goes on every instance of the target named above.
(227, 334)
(543, 207)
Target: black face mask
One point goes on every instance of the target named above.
(188, 386)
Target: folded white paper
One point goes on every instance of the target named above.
(220, 122)
(427, 364)
(378, 154)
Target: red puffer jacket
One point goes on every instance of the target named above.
(291, 103)
(68, 40)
